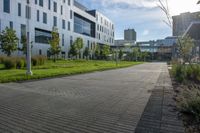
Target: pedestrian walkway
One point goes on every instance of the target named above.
(102, 102)
(160, 115)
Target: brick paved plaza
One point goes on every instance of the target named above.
(101, 102)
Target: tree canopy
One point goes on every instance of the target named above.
(54, 42)
(8, 41)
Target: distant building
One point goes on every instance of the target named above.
(130, 35)
(129, 38)
(183, 21)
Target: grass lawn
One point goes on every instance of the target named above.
(68, 67)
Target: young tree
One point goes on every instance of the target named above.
(145, 55)
(79, 45)
(73, 51)
(136, 53)
(121, 53)
(185, 46)
(105, 51)
(97, 51)
(8, 40)
(86, 53)
(54, 42)
(24, 44)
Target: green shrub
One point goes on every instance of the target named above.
(20, 63)
(9, 63)
(179, 72)
(193, 72)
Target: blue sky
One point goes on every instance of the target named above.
(142, 15)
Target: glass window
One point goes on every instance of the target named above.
(61, 10)
(38, 15)
(40, 52)
(84, 26)
(63, 24)
(54, 6)
(23, 31)
(71, 40)
(41, 3)
(6, 6)
(54, 21)
(11, 24)
(63, 39)
(49, 5)
(69, 25)
(19, 9)
(36, 2)
(0, 25)
(42, 36)
(69, 2)
(70, 14)
(28, 12)
(44, 18)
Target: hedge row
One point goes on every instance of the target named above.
(20, 62)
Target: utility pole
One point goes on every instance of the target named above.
(28, 57)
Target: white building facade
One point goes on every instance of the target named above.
(72, 19)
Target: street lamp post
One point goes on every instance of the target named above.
(28, 58)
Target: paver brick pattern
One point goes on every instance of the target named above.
(160, 114)
(101, 102)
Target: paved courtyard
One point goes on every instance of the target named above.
(111, 101)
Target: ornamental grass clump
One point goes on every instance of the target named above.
(189, 103)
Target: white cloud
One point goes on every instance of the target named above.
(145, 32)
(142, 14)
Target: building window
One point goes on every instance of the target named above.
(0, 25)
(38, 15)
(49, 5)
(28, 12)
(84, 26)
(69, 25)
(54, 6)
(40, 52)
(44, 18)
(54, 21)
(41, 3)
(70, 14)
(63, 24)
(61, 10)
(6, 6)
(11, 24)
(71, 40)
(36, 2)
(19, 9)
(23, 31)
(69, 2)
(42, 36)
(63, 39)
(88, 44)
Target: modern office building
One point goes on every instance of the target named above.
(70, 17)
(183, 21)
(188, 24)
(130, 35)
